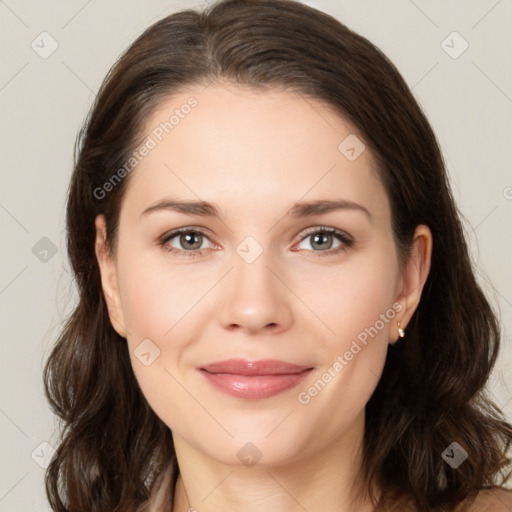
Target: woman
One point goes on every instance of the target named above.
(219, 358)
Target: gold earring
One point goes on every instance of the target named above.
(401, 332)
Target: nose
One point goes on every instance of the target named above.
(255, 298)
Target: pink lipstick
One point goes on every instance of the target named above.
(254, 380)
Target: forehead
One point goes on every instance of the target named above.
(243, 148)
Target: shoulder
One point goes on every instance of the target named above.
(498, 499)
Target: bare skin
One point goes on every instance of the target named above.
(255, 155)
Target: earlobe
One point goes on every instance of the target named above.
(415, 274)
(109, 277)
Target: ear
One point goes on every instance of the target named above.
(109, 281)
(414, 275)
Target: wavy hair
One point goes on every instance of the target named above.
(113, 448)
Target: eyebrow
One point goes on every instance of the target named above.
(298, 210)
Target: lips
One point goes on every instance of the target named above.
(254, 379)
(262, 367)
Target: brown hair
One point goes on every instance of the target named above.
(114, 448)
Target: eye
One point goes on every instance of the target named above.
(322, 238)
(188, 240)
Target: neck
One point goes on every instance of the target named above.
(325, 480)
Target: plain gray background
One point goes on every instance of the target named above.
(44, 99)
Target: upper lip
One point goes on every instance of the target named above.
(261, 367)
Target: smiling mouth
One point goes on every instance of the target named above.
(254, 380)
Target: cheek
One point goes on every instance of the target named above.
(355, 301)
(164, 312)
(157, 297)
(157, 308)
(360, 312)
(358, 308)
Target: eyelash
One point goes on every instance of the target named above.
(347, 242)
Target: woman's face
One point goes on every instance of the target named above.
(257, 279)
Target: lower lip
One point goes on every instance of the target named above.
(254, 387)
